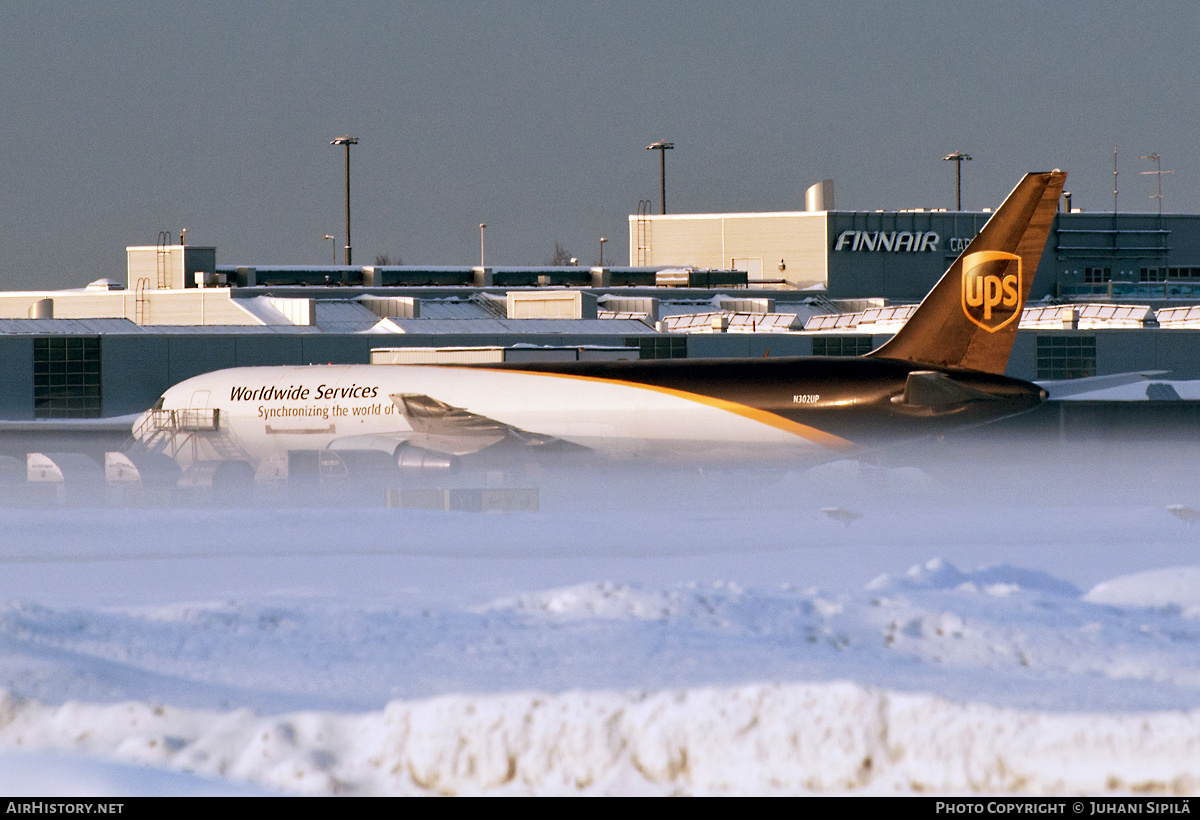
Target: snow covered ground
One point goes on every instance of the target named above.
(845, 629)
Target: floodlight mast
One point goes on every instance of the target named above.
(347, 141)
(662, 147)
(957, 158)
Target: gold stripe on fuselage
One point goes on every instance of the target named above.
(816, 436)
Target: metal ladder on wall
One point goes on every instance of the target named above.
(643, 232)
(164, 258)
(139, 300)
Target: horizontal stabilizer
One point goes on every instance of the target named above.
(1074, 387)
(933, 390)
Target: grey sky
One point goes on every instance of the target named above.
(121, 119)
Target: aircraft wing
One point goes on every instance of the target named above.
(440, 430)
(456, 431)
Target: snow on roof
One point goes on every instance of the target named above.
(1179, 317)
(874, 320)
(51, 327)
(453, 308)
(343, 316)
(731, 322)
(1083, 316)
(1086, 316)
(524, 326)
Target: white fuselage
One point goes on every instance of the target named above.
(269, 410)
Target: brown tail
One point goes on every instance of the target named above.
(970, 317)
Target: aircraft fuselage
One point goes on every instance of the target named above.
(749, 409)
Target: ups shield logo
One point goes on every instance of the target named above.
(991, 288)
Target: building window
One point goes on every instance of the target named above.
(1066, 357)
(1095, 276)
(659, 347)
(1163, 274)
(66, 378)
(842, 345)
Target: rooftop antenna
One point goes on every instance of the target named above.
(1158, 172)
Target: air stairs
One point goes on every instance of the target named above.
(188, 436)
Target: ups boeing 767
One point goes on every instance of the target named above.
(942, 370)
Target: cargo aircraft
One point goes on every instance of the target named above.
(943, 370)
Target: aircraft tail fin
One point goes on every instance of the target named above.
(970, 317)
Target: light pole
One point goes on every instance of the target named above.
(347, 141)
(482, 225)
(603, 239)
(957, 158)
(332, 244)
(662, 148)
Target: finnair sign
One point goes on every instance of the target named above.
(893, 241)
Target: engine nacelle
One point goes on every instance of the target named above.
(411, 458)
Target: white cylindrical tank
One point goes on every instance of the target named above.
(42, 309)
(819, 196)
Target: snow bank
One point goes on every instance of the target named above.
(706, 651)
(1174, 587)
(49, 774)
(998, 579)
(793, 738)
(1007, 636)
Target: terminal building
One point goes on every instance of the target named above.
(1113, 294)
(899, 255)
